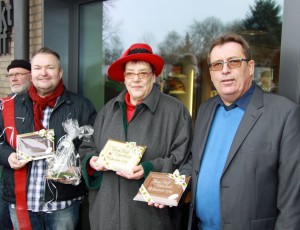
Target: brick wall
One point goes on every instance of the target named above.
(35, 42)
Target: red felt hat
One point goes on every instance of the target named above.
(136, 52)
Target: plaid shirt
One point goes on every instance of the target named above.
(37, 183)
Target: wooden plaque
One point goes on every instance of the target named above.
(162, 189)
(121, 156)
(36, 145)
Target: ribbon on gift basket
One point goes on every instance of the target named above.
(73, 130)
(179, 179)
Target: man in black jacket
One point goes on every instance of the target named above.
(37, 203)
(19, 76)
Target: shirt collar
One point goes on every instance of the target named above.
(243, 101)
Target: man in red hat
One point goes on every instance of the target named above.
(141, 114)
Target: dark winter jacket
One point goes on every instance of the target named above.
(160, 122)
(69, 106)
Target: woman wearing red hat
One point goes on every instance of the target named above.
(144, 115)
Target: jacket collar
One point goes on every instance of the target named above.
(244, 100)
(151, 101)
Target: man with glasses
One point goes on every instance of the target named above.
(19, 75)
(148, 117)
(246, 150)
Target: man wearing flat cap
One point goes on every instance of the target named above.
(19, 76)
(148, 117)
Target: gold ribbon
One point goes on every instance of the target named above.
(145, 194)
(179, 179)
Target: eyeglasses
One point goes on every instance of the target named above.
(141, 75)
(231, 63)
(16, 74)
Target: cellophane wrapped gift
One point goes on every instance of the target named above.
(64, 167)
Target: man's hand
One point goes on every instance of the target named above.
(14, 163)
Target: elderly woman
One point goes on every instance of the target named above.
(144, 115)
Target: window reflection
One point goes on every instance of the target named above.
(184, 48)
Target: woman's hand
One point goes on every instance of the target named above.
(96, 165)
(156, 205)
(138, 173)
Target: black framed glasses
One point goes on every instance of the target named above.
(141, 75)
(10, 75)
(231, 63)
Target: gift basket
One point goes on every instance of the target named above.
(64, 167)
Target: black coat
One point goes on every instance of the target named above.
(69, 106)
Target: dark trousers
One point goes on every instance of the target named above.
(5, 222)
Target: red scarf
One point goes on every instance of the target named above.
(40, 103)
(20, 175)
(130, 108)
